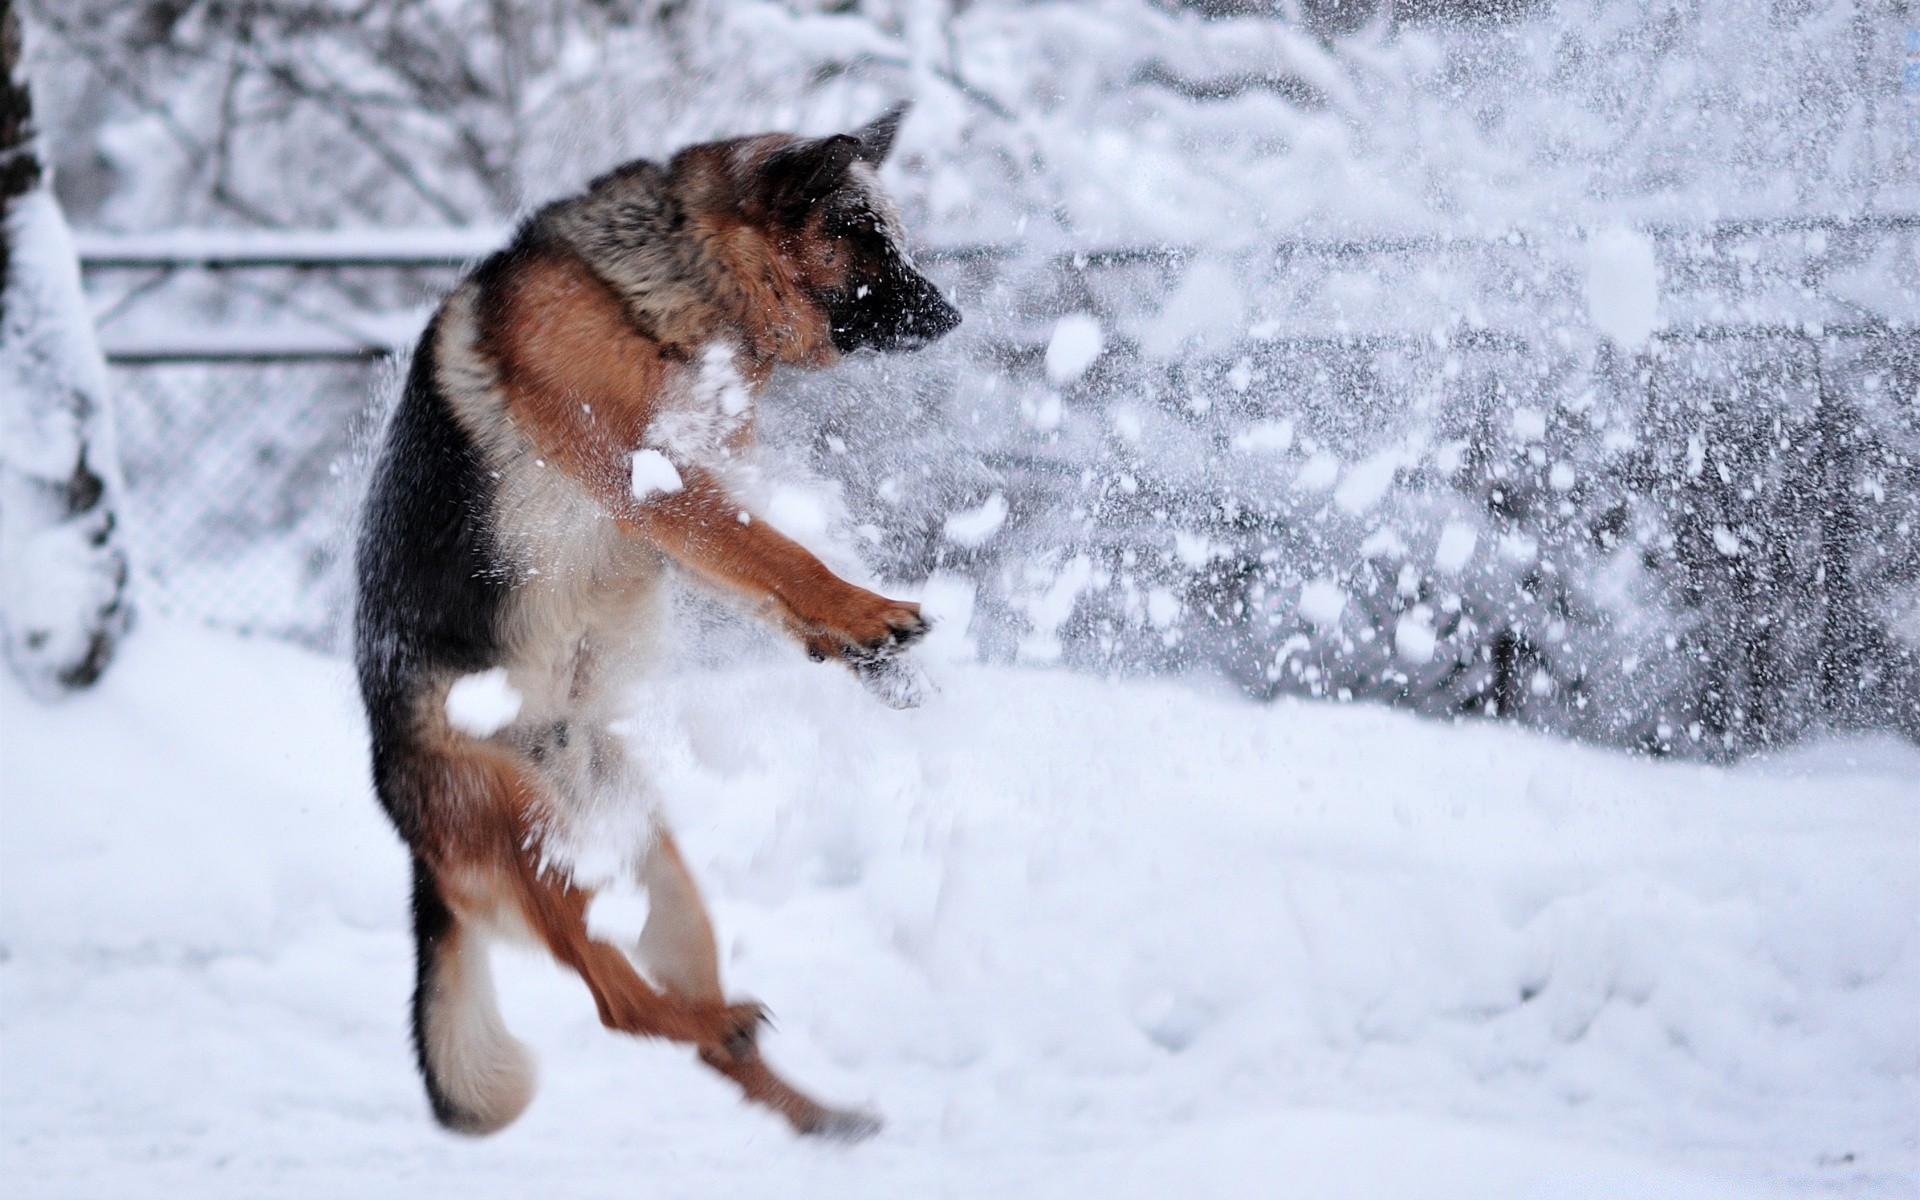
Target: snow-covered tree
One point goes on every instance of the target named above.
(63, 570)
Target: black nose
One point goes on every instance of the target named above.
(936, 319)
(928, 316)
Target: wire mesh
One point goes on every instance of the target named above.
(241, 484)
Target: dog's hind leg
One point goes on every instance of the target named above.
(483, 869)
(478, 1077)
(677, 947)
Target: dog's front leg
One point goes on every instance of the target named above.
(708, 531)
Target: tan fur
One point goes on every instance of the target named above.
(486, 1072)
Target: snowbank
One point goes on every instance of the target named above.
(1073, 937)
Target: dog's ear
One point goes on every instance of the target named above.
(797, 175)
(876, 137)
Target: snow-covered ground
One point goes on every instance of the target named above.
(1073, 937)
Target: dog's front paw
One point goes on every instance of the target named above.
(896, 680)
(870, 629)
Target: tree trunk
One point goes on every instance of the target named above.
(63, 570)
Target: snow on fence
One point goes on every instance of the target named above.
(1655, 487)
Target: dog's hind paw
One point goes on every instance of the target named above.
(847, 1125)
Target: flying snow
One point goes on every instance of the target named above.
(974, 526)
(800, 514)
(1318, 473)
(1075, 344)
(1272, 436)
(1413, 636)
(483, 703)
(1455, 548)
(654, 472)
(1322, 601)
(1623, 285)
(1367, 483)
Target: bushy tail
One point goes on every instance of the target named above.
(479, 1077)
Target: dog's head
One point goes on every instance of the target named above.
(819, 206)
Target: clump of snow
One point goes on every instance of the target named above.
(1075, 344)
(799, 512)
(1384, 542)
(1206, 310)
(1194, 549)
(1318, 473)
(1322, 601)
(1049, 609)
(975, 526)
(947, 600)
(1163, 607)
(1367, 481)
(1519, 548)
(1273, 436)
(654, 474)
(1623, 285)
(483, 703)
(699, 419)
(1413, 636)
(1455, 548)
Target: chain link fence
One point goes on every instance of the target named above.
(241, 483)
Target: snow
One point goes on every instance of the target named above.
(1050, 609)
(1072, 937)
(1079, 936)
(976, 526)
(1413, 636)
(1623, 285)
(1272, 436)
(235, 247)
(1367, 482)
(1322, 601)
(800, 513)
(654, 474)
(1207, 303)
(947, 600)
(1318, 473)
(1072, 348)
(618, 913)
(483, 703)
(1455, 548)
(63, 566)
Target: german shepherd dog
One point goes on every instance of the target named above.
(579, 415)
